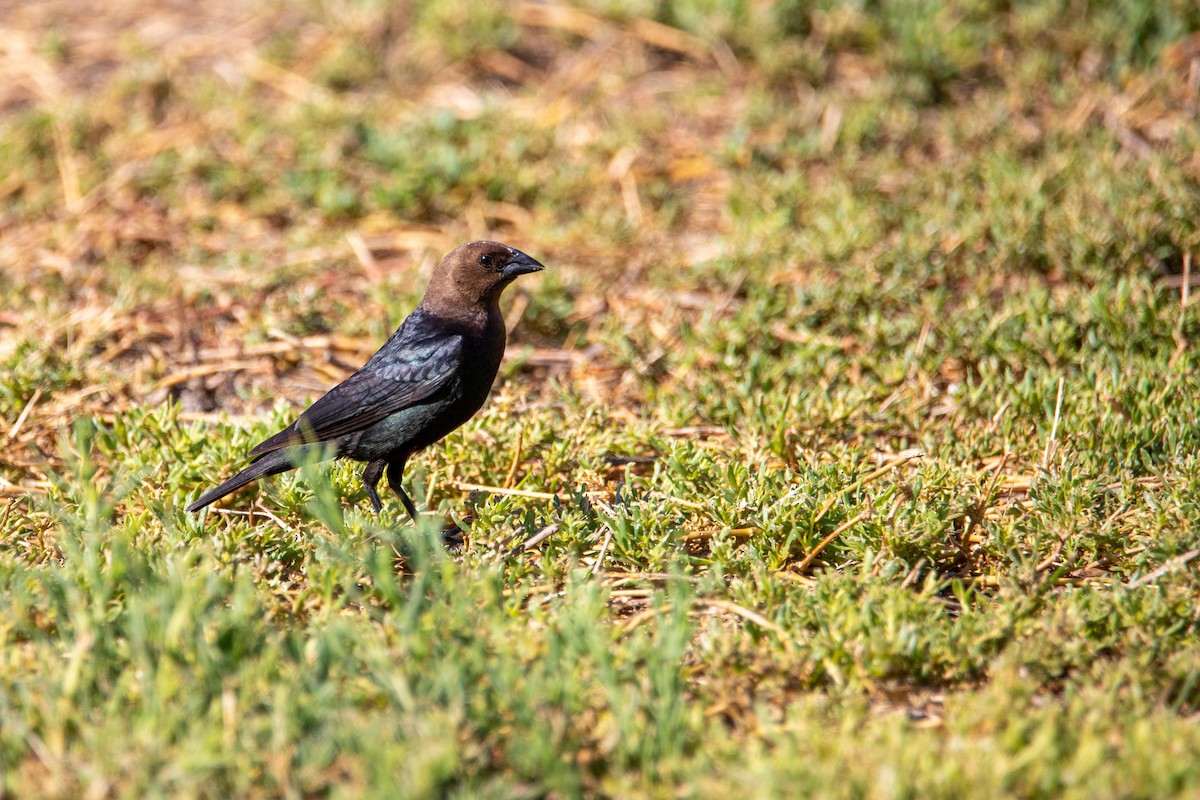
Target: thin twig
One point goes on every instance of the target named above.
(16, 428)
(261, 508)
(635, 594)
(744, 613)
(642, 616)
(1180, 560)
(533, 541)
(719, 604)
(816, 551)
(680, 501)
(737, 533)
(647, 576)
(913, 574)
(864, 480)
(1050, 560)
(792, 577)
(204, 370)
(477, 487)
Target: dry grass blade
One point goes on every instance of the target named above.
(771, 276)
(668, 38)
(516, 459)
(285, 81)
(363, 254)
(477, 487)
(533, 541)
(549, 15)
(24, 415)
(1052, 442)
(1052, 559)
(808, 560)
(715, 604)
(1174, 563)
(642, 617)
(746, 614)
(870, 477)
(703, 536)
(681, 502)
(608, 537)
(204, 370)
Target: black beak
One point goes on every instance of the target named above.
(520, 264)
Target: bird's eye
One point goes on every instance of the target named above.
(486, 260)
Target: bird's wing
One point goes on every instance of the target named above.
(415, 369)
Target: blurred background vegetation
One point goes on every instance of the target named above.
(854, 417)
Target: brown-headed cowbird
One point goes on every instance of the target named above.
(431, 376)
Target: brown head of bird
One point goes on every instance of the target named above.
(474, 274)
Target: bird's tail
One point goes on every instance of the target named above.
(270, 464)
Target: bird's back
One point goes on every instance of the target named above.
(430, 377)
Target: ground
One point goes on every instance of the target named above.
(847, 446)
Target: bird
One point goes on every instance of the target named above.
(431, 376)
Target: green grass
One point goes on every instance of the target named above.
(859, 391)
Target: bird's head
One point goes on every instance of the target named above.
(474, 275)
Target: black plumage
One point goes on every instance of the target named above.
(430, 377)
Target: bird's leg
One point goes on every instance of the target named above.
(394, 474)
(452, 537)
(370, 478)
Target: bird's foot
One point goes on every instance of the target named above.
(454, 535)
(453, 538)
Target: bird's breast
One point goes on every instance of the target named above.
(417, 426)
